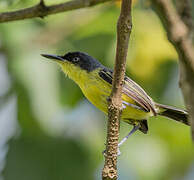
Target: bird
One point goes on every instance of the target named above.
(95, 81)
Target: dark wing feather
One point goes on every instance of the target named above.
(131, 89)
(145, 100)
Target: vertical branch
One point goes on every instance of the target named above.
(114, 110)
(178, 33)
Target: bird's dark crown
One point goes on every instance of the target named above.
(83, 60)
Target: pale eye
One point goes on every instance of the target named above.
(76, 59)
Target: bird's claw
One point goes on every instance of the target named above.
(104, 152)
(118, 152)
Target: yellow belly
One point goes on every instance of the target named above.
(97, 92)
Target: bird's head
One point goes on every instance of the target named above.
(75, 60)
(76, 65)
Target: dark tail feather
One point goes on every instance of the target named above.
(173, 113)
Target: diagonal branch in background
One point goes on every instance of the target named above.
(184, 9)
(41, 10)
(178, 33)
(124, 25)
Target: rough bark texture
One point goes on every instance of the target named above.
(179, 33)
(41, 10)
(123, 34)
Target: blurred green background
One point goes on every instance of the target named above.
(49, 131)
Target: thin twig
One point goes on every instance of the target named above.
(123, 34)
(178, 34)
(41, 10)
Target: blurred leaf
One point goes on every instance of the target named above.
(102, 24)
(70, 93)
(47, 158)
(7, 5)
(156, 85)
(150, 45)
(27, 121)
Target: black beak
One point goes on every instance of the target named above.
(55, 57)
